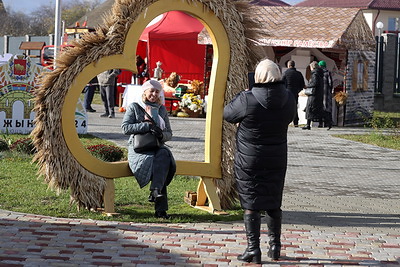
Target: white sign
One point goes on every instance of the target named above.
(297, 43)
(17, 86)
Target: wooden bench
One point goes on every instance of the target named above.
(206, 194)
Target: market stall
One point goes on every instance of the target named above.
(173, 41)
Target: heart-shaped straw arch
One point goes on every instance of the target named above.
(64, 162)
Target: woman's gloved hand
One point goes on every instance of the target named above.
(156, 131)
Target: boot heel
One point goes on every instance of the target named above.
(274, 252)
(257, 259)
(251, 256)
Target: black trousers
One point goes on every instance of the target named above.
(161, 164)
(296, 115)
(107, 93)
(89, 94)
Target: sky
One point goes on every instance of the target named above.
(27, 6)
(291, 2)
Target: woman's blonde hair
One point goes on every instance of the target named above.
(267, 71)
(314, 65)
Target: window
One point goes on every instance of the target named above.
(360, 74)
(393, 24)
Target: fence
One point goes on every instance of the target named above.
(387, 73)
(10, 44)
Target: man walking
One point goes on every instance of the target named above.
(107, 82)
(89, 94)
(294, 82)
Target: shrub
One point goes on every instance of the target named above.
(4, 145)
(23, 145)
(106, 152)
(383, 122)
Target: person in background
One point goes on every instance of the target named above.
(107, 82)
(89, 94)
(262, 115)
(327, 99)
(157, 167)
(314, 108)
(171, 82)
(142, 70)
(294, 82)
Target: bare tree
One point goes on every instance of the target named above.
(41, 21)
(13, 23)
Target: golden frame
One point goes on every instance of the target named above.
(211, 167)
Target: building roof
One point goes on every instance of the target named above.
(95, 17)
(313, 27)
(362, 4)
(269, 3)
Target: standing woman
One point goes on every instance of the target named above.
(157, 166)
(327, 95)
(263, 115)
(315, 106)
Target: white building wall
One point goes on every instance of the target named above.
(374, 16)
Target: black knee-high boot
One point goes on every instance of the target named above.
(252, 223)
(274, 222)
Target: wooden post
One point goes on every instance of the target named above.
(207, 190)
(109, 197)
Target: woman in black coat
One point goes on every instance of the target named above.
(263, 115)
(315, 105)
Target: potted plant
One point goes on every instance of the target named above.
(191, 104)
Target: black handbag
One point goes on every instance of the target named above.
(309, 91)
(146, 141)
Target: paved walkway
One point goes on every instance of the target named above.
(341, 208)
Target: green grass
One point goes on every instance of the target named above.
(22, 190)
(386, 131)
(96, 98)
(393, 115)
(375, 138)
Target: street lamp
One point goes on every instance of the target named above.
(379, 59)
(379, 26)
(57, 33)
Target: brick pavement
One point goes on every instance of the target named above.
(341, 208)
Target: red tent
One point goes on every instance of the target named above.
(173, 41)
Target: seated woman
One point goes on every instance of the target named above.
(155, 166)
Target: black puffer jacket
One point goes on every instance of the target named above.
(264, 114)
(315, 107)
